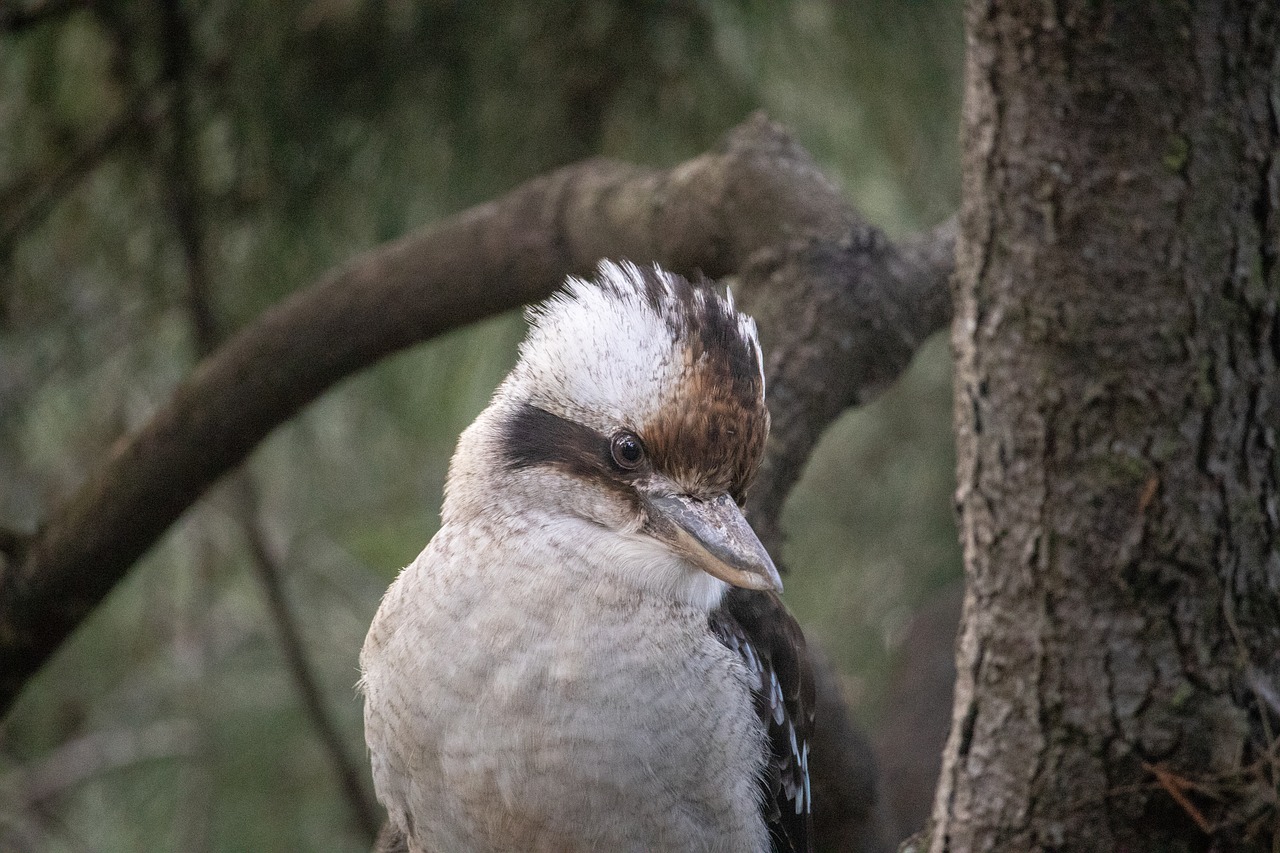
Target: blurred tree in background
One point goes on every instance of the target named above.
(169, 170)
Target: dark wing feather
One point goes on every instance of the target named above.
(758, 627)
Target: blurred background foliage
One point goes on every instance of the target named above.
(170, 169)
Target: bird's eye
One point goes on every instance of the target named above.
(627, 450)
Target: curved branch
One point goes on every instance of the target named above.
(266, 566)
(18, 17)
(841, 316)
(757, 205)
(29, 198)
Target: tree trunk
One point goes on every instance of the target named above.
(1117, 405)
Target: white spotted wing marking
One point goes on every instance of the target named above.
(757, 627)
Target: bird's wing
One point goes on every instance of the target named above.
(758, 627)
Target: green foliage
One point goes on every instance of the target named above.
(310, 131)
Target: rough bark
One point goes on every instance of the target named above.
(840, 309)
(1117, 404)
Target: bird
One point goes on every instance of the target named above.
(591, 653)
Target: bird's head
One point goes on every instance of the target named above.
(637, 406)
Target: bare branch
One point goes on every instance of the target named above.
(17, 17)
(756, 205)
(841, 315)
(267, 568)
(31, 197)
(181, 185)
(91, 755)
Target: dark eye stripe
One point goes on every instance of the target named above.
(677, 446)
(534, 436)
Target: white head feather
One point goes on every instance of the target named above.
(614, 352)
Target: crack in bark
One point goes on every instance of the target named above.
(1116, 736)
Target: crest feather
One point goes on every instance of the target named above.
(612, 351)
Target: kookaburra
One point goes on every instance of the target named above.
(591, 654)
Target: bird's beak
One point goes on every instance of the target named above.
(715, 537)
